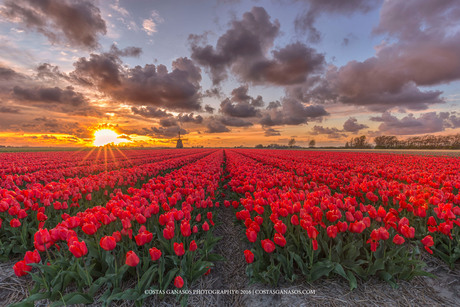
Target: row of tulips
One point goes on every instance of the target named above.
(423, 189)
(159, 234)
(314, 217)
(24, 211)
(75, 165)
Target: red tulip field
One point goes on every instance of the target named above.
(115, 225)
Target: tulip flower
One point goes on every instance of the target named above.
(21, 268)
(279, 239)
(143, 238)
(193, 246)
(108, 243)
(32, 257)
(178, 282)
(155, 253)
(78, 249)
(132, 259)
(249, 256)
(268, 245)
(398, 240)
(179, 249)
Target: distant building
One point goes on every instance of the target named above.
(179, 143)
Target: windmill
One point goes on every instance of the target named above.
(179, 143)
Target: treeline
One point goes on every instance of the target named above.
(418, 142)
(358, 142)
(277, 146)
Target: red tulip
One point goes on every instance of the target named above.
(41, 217)
(15, 223)
(42, 240)
(332, 231)
(168, 233)
(89, 228)
(249, 256)
(117, 236)
(140, 219)
(205, 226)
(398, 240)
(32, 257)
(251, 234)
(279, 239)
(21, 268)
(155, 253)
(108, 243)
(295, 220)
(193, 246)
(179, 249)
(428, 242)
(132, 259)
(178, 282)
(185, 228)
(78, 249)
(281, 227)
(357, 227)
(315, 244)
(268, 245)
(143, 238)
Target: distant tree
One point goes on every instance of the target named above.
(347, 145)
(359, 142)
(259, 146)
(291, 142)
(312, 143)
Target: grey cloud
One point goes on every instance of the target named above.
(426, 123)
(377, 88)
(190, 118)
(77, 22)
(216, 126)
(305, 21)
(235, 122)
(332, 133)
(417, 19)
(51, 125)
(290, 65)
(241, 104)
(126, 52)
(209, 109)
(166, 132)
(227, 107)
(351, 125)
(49, 72)
(8, 74)
(244, 50)
(150, 112)
(168, 122)
(50, 95)
(150, 85)
(292, 112)
(9, 109)
(423, 49)
(248, 38)
(271, 132)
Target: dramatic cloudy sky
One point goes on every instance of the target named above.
(228, 72)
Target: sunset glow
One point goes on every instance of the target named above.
(106, 136)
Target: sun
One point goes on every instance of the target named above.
(106, 136)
